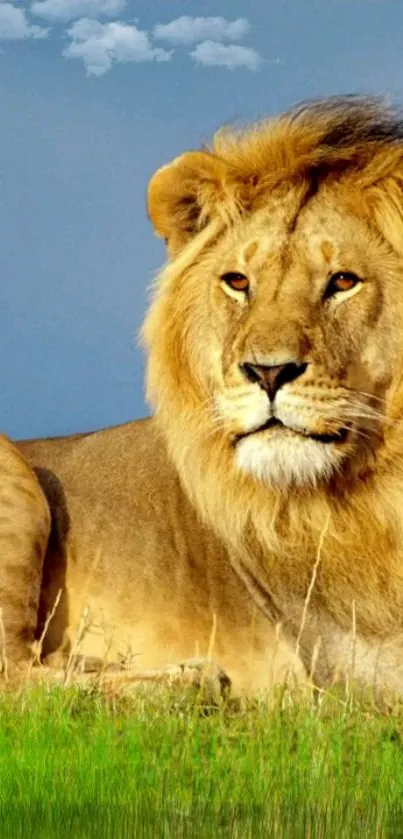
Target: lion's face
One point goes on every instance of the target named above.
(303, 352)
(284, 330)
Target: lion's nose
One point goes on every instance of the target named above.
(271, 379)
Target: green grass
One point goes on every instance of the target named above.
(76, 765)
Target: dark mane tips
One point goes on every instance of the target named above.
(352, 120)
(313, 139)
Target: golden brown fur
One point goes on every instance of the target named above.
(127, 545)
(172, 526)
(24, 533)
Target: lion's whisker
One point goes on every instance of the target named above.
(367, 394)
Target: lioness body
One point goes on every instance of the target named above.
(24, 531)
(152, 585)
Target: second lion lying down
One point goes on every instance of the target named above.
(257, 517)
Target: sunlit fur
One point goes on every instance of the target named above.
(288, 202)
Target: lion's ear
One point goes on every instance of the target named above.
(184, 195)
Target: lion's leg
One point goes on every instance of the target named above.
(200, 673)
(24, 532)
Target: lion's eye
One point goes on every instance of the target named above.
(236, 281)
(341, 281)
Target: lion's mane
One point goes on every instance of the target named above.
(356, 519)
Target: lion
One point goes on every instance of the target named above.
(255, 520)
(25, 523)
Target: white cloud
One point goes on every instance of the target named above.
(14, 25)
(66, 10)
(211, 54)
(190, 30)
(99, 45)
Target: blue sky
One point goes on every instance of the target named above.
(95, 95)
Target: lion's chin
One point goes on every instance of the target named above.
(288, 459)
(339, 436)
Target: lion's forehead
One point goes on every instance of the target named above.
(322, 236)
